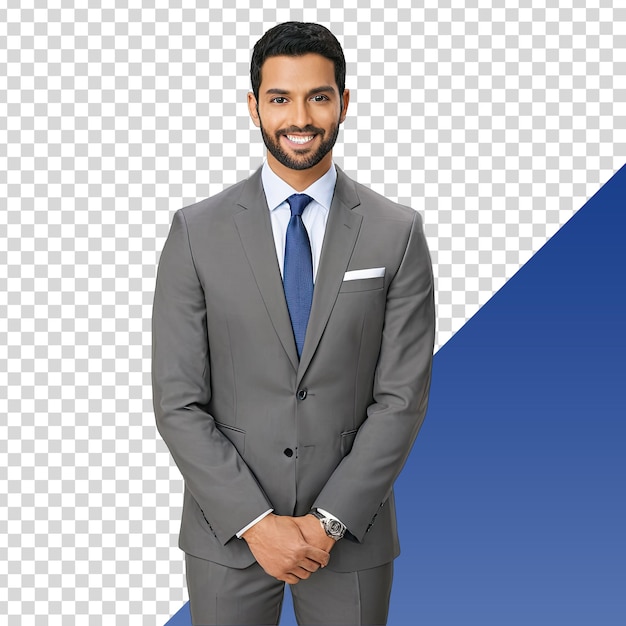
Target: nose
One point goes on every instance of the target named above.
(302, 114)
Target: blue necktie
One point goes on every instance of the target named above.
(298, 269)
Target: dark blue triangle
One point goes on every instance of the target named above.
(513, 502)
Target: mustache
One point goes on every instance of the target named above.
(292, 130)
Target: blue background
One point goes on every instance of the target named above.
(512, 505)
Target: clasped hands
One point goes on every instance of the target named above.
(289, 548)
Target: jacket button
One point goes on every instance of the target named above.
(288, 452)
(301, 395)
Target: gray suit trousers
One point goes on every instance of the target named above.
(225, 596)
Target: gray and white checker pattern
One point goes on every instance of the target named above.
(496, 123)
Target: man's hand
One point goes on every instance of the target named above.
(281, 549)
(313, 533)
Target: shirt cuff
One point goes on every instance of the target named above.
(253, 522)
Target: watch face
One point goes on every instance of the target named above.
(335, 528)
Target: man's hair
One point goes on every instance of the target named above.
(297, 39)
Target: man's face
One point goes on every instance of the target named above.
(299, 110)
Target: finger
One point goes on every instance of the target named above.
(310, 565)
(318, 555)
(300, 573)
(289, 578)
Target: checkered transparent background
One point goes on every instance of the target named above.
(495, 123)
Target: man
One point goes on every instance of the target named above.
(293, 334)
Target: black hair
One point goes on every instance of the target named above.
(297, 39)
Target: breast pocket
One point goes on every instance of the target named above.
(362, 284)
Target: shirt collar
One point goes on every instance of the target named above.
(277, 190)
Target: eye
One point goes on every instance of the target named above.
(279, 100)
(320, 97)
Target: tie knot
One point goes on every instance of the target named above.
(298, 202)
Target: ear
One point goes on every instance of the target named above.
(345, 99)
(252, 108)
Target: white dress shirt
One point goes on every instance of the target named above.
(314, 217)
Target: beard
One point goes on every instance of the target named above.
(306, 160)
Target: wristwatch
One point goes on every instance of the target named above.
(332, 527)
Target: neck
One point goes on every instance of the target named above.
(300, 179)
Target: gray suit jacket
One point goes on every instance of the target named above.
(248, 424)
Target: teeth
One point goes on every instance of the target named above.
(298, 139)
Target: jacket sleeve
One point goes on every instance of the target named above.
(214, 473)
(363, 480)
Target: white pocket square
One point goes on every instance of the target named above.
(372, 272)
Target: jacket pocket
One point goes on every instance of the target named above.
(347, 439)
(362, 284)
(236, 436)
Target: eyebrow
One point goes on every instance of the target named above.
(283, 92)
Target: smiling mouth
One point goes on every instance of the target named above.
(300, 140)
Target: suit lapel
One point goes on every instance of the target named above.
(255, 230)
(342, 230)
